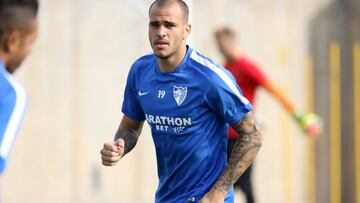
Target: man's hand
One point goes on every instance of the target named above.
(112, 152)
(125, 140)
(310, 123)
(213, 196)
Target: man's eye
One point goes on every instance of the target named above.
(154, 25)
(170, 25)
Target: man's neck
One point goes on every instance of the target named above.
(171, 63)
(236, 55)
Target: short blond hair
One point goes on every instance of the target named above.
(226, 32)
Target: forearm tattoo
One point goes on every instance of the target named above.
(130, 136)
(243, 154)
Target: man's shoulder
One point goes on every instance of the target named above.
(10, 88)
(203, 62)
(145, 60)
(246, 62)
(142, 63)
(211, 70)
(5, 84)
(8, 92)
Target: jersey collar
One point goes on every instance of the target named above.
(180, 67)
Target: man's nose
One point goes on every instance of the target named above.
(162, 31)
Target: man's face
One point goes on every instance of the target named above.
(21, 46)
(167, 30)
(226, 45)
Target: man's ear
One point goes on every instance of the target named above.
(11, 41)
(187, 31)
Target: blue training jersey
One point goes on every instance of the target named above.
(12, 108)
(188, 111)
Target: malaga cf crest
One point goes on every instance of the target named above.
(179, 94)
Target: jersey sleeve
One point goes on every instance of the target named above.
(224, 96)
(131, 106)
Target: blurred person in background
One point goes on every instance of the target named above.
(18, 31)
(187, 100)
(250, 77)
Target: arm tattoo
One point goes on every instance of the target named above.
(247, 146)
(130, 136)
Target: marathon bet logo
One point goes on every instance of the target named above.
(165, 123)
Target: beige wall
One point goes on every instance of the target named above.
(75, 80)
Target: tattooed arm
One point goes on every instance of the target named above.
(124, 141)
(129, 131)
(243, 154)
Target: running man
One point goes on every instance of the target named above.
(18, 30)
(188, 101)
(249, 78)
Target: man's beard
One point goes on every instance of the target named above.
(165, 57)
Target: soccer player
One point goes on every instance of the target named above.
(249, 77)
(18, 30)
(188, 101)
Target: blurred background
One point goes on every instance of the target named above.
(76, 76)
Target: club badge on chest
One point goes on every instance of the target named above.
(179, 94)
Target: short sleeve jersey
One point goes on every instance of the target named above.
(188, 111)
(12, 108)
(249, 77)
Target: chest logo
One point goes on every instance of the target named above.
(179, 94)
(142, 93)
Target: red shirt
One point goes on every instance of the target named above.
(248, 77)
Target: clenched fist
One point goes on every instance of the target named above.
(112, 152)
